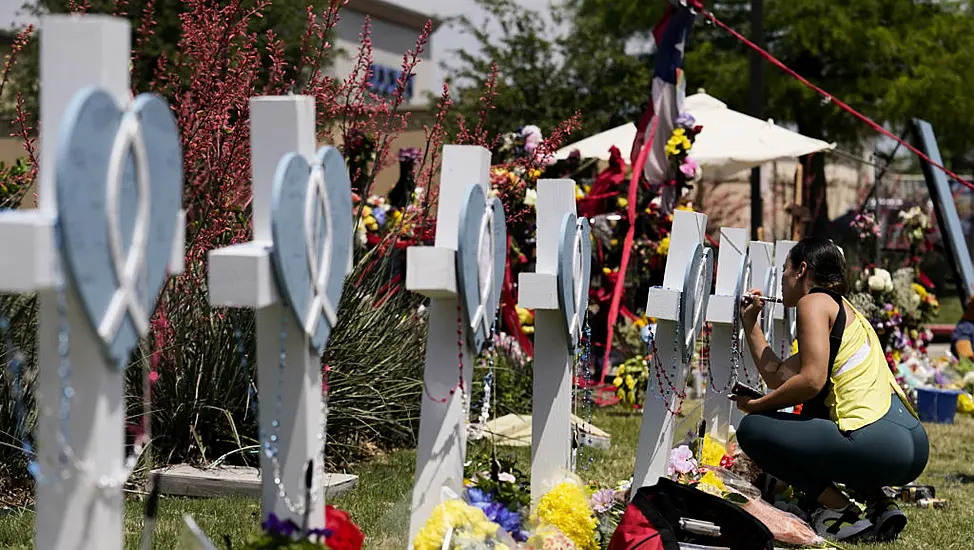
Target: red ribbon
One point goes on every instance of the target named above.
(637, 170)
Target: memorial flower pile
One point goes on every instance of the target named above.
(898, 306)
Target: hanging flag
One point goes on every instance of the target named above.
(648, 154)
(668, 92)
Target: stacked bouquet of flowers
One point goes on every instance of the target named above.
(685, 169)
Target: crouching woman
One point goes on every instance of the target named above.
(856, 427)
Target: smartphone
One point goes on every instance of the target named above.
(746, 391)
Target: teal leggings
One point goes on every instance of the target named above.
(811, 454)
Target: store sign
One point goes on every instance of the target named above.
(384, 81)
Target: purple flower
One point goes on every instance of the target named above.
(602, 500)
(380, 215)
(497, 513)
(409, 154)
(275, 527)
(685, 120)
(319, 535)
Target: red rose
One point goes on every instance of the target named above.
(345, 535)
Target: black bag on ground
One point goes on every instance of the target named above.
(659, 508)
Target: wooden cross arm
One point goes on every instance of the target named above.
(663, 303)
(242, 276)
(431, 271)
(538, 291)
(27, 251)
(720, 309)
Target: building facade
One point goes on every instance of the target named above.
(394, 32)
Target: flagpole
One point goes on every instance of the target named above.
(757, 110)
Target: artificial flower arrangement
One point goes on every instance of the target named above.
(685, 169)
(630, 381)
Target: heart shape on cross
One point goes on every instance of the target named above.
(481, 260)
(694, 299)
(311, 226)
(119, 182)
(743, 280)
(574, 273)
(771, 290)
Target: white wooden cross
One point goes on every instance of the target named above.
(762, 261)
(656, 430)
(432, 271)
(242, 276)
(551, 430)
(75, 509)
(720, 313)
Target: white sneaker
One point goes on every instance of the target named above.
(839, 525)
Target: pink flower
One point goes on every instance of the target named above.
(689, 167)
(602, 500)
(681, 461)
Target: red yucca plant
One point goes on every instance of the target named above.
(200, 393)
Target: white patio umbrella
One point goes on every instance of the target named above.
(729, 143)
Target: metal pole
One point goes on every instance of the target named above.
(757, 109)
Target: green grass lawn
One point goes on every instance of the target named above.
(381, 503)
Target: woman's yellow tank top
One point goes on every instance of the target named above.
(861, 378)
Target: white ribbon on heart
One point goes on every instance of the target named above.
(129, 265)
(485, 258)
(316, 208)
(575, 328)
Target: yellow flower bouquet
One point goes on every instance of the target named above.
(566, 508)
(464, 525)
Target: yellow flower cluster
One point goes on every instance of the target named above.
(663, 248)
(460, 516)
(712, 452)
(712, 484)
(625, 383)
(678, 143)
(526, 318)
(566, 507)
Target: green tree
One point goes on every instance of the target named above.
(543, 78)
(890, 59)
